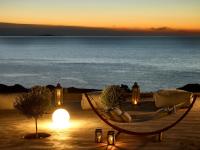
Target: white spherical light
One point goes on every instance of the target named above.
(60, 118)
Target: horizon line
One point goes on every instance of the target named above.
(160, 28)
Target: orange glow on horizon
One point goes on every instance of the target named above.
(129, 14)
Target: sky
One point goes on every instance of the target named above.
(141, 14)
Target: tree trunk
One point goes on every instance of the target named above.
(36, 129)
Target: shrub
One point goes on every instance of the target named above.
(112, 96)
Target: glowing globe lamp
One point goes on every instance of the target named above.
(60, 118)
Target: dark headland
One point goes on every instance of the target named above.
(12, 29)
(17, 88)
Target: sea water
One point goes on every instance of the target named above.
(155, 62)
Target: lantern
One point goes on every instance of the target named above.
(135, 94)
(111, 138)
(98, 135)
(58, 95)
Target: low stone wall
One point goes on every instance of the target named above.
(96, 101)
(74, 94)
(68, 97)
(171, 97)
(7, 100)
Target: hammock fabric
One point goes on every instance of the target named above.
(156, 132)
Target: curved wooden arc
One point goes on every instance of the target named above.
(121, 130)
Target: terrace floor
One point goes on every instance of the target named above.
(80, 134)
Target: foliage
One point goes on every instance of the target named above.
(125, 88)
(35, 103)
(112, 96)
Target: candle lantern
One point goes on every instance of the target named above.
(111, 138)
(98, 135)
(135, 94)
(58, 95)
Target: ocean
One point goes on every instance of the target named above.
(155, 62)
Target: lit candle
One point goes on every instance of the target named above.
(98, 138)
(135, 102)
(111, 138)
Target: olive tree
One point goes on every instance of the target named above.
(112, 96)
(34, 104)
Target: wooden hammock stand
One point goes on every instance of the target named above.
(156, 132)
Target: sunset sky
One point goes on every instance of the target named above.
(178, 14)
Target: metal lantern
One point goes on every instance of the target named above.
(58, 95)
(135, 94)
(98, 136)
(111, 138)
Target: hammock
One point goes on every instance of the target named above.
(120, 129)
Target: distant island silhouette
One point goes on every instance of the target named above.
(12, 29)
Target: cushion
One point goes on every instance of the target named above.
(126, 117)
(115, 114)
(171, 97)
(118, 115)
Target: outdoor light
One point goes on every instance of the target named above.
(135, 94)
(111, 138)
(60, 118)
(98, 135)
(58, 95)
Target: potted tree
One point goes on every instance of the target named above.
(33, 105)
(112, 96)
